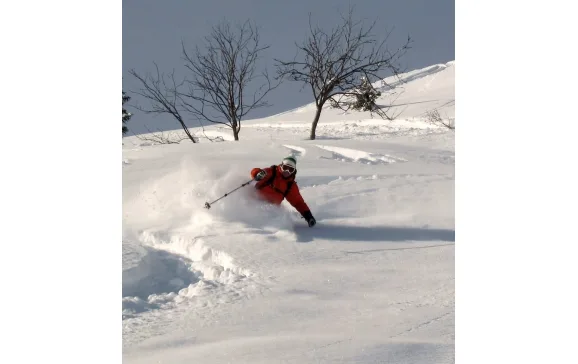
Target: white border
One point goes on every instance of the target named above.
(61, 181)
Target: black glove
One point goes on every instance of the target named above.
(310, 219)
(260, 175)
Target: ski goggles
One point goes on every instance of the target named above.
(287, 168)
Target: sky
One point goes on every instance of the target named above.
(152, 31)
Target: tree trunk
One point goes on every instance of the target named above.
(187, 131)
(236, 130)
(315, 120)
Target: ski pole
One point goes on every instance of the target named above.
(208, 205)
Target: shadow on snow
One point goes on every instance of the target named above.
(373, 233)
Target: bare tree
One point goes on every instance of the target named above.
(225, 85)
(433, 117)
(160, 137)
(162, 91)
(334, 62)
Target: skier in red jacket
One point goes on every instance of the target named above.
(277, 183)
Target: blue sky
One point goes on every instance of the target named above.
(153, 31)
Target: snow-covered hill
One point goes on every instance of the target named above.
(372, 282)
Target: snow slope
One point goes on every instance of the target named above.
(243, 282)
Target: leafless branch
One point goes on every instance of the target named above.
(160, 137)
(333, 62)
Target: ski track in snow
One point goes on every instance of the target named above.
(154, 280)
(175, 269)
(180, 276)
(412, 76)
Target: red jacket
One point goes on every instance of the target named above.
(273, 190)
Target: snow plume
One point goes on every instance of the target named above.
(175, 200)
(168, 200)
(244, 206)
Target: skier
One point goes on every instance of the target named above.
(276, 183)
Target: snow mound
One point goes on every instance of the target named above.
(152, 278)
(360, 156)
(296, 151)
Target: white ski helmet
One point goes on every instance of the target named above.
(288, 166)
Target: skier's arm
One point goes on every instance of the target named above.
(296, 200)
